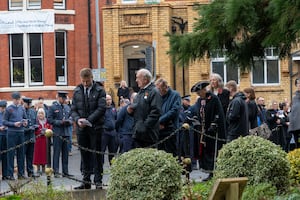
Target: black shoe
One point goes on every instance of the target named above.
(33, 175)
(67, 175)
(21, 177)
(56, 175)
(9, 178)
(83, 186)
(99, 186)
(208, 178)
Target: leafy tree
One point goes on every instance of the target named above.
(242, 29)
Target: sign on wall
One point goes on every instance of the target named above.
(26, 22)
(99, 74)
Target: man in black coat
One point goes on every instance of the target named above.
(237, 114)
(208, 109)
(146, 110)
(88, 109)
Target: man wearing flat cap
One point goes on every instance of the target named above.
(29, 135)
(15, 119)
(208, 109)
(3, 140)
(59, 116)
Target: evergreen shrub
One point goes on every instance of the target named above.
(294, 159)
(256, 158)
(145, 174)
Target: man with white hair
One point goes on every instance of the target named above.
(146, 110)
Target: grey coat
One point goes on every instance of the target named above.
(294, 115)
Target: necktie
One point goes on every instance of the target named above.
(86, 100)
(86, 93)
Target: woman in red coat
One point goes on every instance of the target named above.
(40, 148)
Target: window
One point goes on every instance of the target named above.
(59, 4)
(218, 65)
(266, 71)
(15, 4)
(26, 59)
(60, 58)
(30, 4)
(33, 4)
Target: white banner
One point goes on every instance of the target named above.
(26, 22)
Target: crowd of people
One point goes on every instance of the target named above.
(22, 130)
(151, 118)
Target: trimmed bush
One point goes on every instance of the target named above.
(259, 191)
(294, 159)
(256, 158)
(145, 174)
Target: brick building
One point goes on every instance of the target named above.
(44, 44)
(130, 26)
(54, 39)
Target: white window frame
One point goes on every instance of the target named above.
(59, 4)
(62, 57)
(219, 57)
(11, 7)
(34, 4)
(26, 4)
(26, 60)
(268, 57)
(33, 57)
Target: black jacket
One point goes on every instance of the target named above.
(94, 109)
(237, 116)
(147, 110)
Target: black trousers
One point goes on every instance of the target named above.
(91, 161)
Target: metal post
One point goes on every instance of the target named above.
(98, 34)
(216, 148)
(181, 24)
(48, 143)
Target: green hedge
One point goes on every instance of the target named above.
(256, 158)
(145, 174)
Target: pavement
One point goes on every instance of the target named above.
(74, 169)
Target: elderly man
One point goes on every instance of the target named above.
(169, 120)
(146, 110)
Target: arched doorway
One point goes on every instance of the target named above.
(134, 59)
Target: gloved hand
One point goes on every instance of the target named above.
(67, 122)
(212, 128)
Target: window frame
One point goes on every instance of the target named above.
(65, 82)
(59, 6)
(26, 61)
(270, 55)
(219, 56)
(30, 57)
(33, 7)
(10, 7)
(26, 5)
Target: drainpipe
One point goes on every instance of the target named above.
(90, 34)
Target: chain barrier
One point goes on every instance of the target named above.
(14, 187)
(100, 152)
(31, 140)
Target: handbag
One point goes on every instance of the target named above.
(262, 131)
